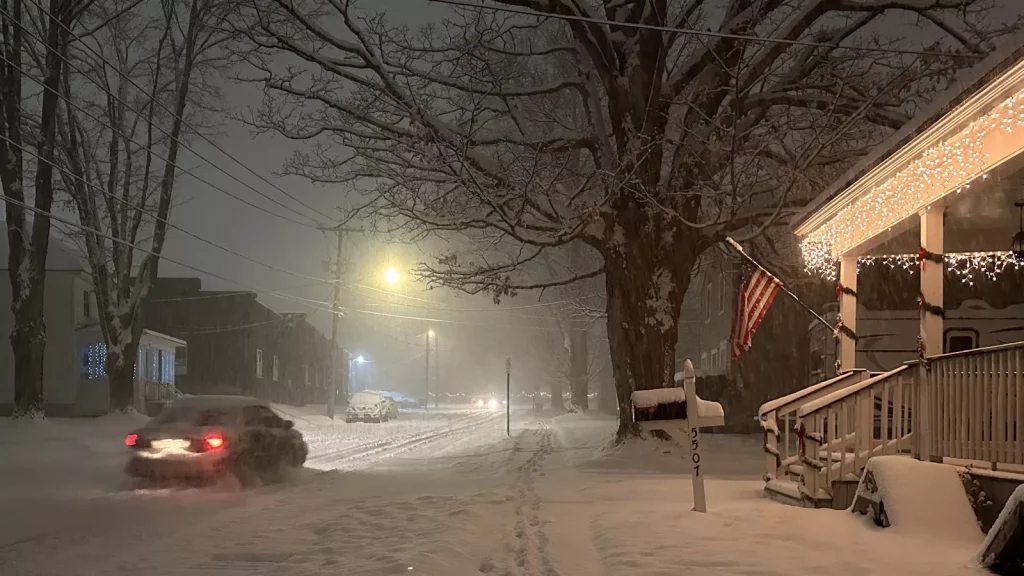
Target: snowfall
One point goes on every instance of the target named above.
(439, 492)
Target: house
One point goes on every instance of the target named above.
(74, 375)
(778, 362)
(939, 202)
(237, 345)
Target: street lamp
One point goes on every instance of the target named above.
(391, 276)
(360, 359)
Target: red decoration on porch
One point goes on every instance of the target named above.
(839, 291)
(922, 255)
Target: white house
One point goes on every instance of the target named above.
(74, 378)
(943, 194)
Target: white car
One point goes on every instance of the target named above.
(370, 406)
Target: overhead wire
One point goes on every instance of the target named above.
(72, 65)
(704, 33)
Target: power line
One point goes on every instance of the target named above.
(72, 65)
(65, 171)
(67, 222)
(705, 33)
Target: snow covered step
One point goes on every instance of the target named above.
(1003, 549)
(921, 498)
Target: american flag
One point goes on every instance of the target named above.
(756, 296)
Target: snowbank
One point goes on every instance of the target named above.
(651, 398)
(920, 498)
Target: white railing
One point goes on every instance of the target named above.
(842, 430)
(966, 406)
(975, 405)
(778, 421)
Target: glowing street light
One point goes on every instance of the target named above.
(360, 359)
(391, 276)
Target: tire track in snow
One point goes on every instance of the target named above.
(368, 452)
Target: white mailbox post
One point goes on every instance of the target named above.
(669, 409)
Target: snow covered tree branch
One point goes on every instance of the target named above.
(648, 146)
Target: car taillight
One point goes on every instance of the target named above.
(130, 440)
(213, 442)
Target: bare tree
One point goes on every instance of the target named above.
(134, 85)
(647, 144)
(32, 44)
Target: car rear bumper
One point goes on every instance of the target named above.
(195, 467)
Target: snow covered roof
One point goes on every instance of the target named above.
(57, 258)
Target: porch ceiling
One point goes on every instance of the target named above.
(982, 219)
(965, 145)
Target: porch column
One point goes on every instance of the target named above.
(848, 312)
(933, 273)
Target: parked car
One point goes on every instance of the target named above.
(209, 437)
(369, 406)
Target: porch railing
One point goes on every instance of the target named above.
(778, 421)
(967, 406)
(975, 405)
(840, 432)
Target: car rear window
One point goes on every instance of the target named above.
(365, 398)
(194, 416)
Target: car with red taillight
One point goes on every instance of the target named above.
(203, 438)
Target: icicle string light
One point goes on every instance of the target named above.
(942, 169)
(968, 267)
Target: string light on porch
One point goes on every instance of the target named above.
(964, 266)
(949, 166)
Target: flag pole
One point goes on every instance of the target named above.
(736, 246)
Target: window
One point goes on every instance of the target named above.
(704, 360)
(307, 374)
(707, 302)
(180, 360)
(259, 363)
(275, 368)
(92, 363)
(721, 293)
(723, 353)
(960, 340)
(87, 304)
(166, 367)
(261, 416)
(714, 359)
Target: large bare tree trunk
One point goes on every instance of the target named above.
(645, 295)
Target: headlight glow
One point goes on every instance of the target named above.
(492, 403)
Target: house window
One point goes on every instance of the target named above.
(714, 359)
(275, 368)
(87, 304)
(259, 363)
(723, 353)
(704, 360)
(960, 340)
(181, 361)
(92, 362)
(707, 302)
(307, 374)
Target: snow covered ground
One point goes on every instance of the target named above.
(443, 494)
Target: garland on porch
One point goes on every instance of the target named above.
(924, 256)
(926, 306)
(840, 290)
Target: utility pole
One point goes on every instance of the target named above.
(426, 379)
(333, 392)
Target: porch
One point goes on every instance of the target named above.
(942, 200)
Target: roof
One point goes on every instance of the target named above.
(967, 83)
(218, 401)
(57, 258)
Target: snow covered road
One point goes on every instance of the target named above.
(449, 494)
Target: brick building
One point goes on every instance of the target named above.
(237, 345)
